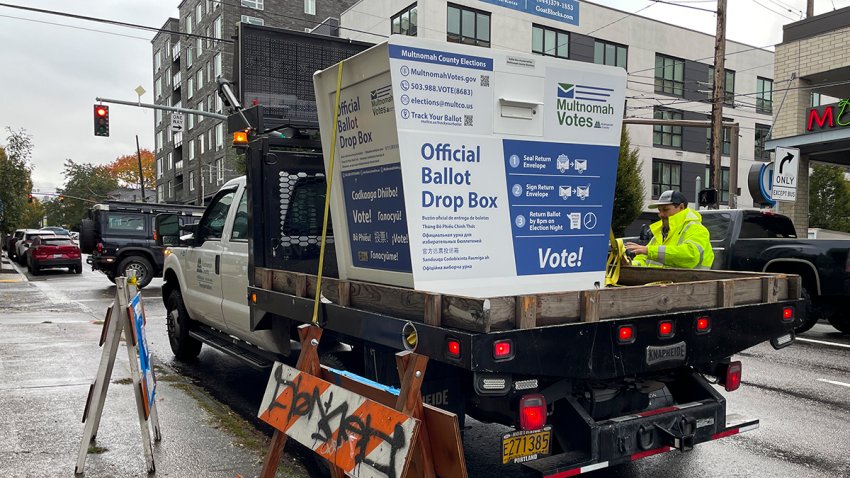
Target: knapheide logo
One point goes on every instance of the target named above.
(573, 99)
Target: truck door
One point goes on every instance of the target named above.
(234, 270)
(202, 269)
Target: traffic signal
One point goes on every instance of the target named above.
(29, 197)
(101, 120)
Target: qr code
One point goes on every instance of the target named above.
(467, 120)
(485, 80)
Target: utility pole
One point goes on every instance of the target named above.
(141, 174)
(810, 8)
(717, 100)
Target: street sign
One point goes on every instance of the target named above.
(176, 122)
(785, 165)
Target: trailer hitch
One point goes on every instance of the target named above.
(679, 436)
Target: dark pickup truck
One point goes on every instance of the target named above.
(763, 241)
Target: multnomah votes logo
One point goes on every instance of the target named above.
(589, 100)
(382, 100)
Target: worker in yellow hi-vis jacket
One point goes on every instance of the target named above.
(678, 240)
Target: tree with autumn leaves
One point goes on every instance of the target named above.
(126, 170)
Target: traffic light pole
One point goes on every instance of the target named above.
(163, 107)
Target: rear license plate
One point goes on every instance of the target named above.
(58, 256)
(526, 445)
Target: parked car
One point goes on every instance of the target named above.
(59, 231)
(11, 241)
(119, 236)
(23, 244)
(56, 251)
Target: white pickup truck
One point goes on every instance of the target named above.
(206, 281)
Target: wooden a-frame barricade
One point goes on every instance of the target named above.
(434, 447)
(119, 318)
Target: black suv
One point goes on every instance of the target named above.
(119, 236)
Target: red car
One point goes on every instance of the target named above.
(54, 251)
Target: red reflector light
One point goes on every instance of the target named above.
(453, 348)
(532, 412)
(503, 349)
(733, 376)
(626, 334)
(665, 328)
(703, 324)
(100, 247)
(788, 313)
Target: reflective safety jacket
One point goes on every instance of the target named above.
(686, 246)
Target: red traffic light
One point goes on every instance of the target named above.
(101, 120)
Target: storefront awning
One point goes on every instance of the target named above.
(831, 146)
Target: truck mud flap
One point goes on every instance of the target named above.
(630, 438)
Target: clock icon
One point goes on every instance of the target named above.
(589, 220)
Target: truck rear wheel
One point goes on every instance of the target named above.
(177, 319)
(141, 266)
(87, 236)
(840, 322)
(812, 313)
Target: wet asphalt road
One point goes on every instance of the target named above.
(801, 394)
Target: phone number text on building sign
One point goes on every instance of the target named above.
(452, 90)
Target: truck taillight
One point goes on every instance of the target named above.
(626, 334)
(733, 376)
(100, 248)
(703, 325)
(453, 348)
(787, 314)
(665, 329)
(503, 350)
(532, 412)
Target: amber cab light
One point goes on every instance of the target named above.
(532, 412)
(787, 314)
(703, 325)
(453, 348)
(626, 334)
(665, 328)
(503, 349)
(240, 138)
(733, 376)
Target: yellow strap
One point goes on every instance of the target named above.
(615, 257)
(329, 174)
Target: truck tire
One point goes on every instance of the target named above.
(140, 265)
(87, 236)
(178, 322)
(840, 322)
(812, 314)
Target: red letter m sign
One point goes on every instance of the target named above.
(814, 117)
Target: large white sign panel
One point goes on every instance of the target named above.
(785, 165)
(473, 172)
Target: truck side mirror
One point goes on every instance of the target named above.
(645, 233)
(167, 229)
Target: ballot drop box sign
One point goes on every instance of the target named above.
(470, 171)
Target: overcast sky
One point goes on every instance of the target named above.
(52, 67)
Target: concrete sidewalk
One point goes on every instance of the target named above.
(49, 356)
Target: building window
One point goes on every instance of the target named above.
(611, 54)
(170, 189)
(724, 183)
(764, 95)
(191, 121)
(815, 100)
(665, 135)
(550, 42)
(669, 75)
(159, 197)
(158, 168)
(219, 136)
(157, 114)
(728, 86)
(217, 65)
(199, 77)
(219, 105)
(255, 4)
(762, 130)
(465, 25)
(158, 141)
(217, 27)
(201, 148)
(219, 170)
(157, 88)
(170, 162)
(191, 180)
(726, 147)
(665, 175)
(157, 61)
(191, 87)
(404, 22)
(199, 12)
(189, 24)
(191, 145)
(199, 47)
(310, 7)
(252, 20)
